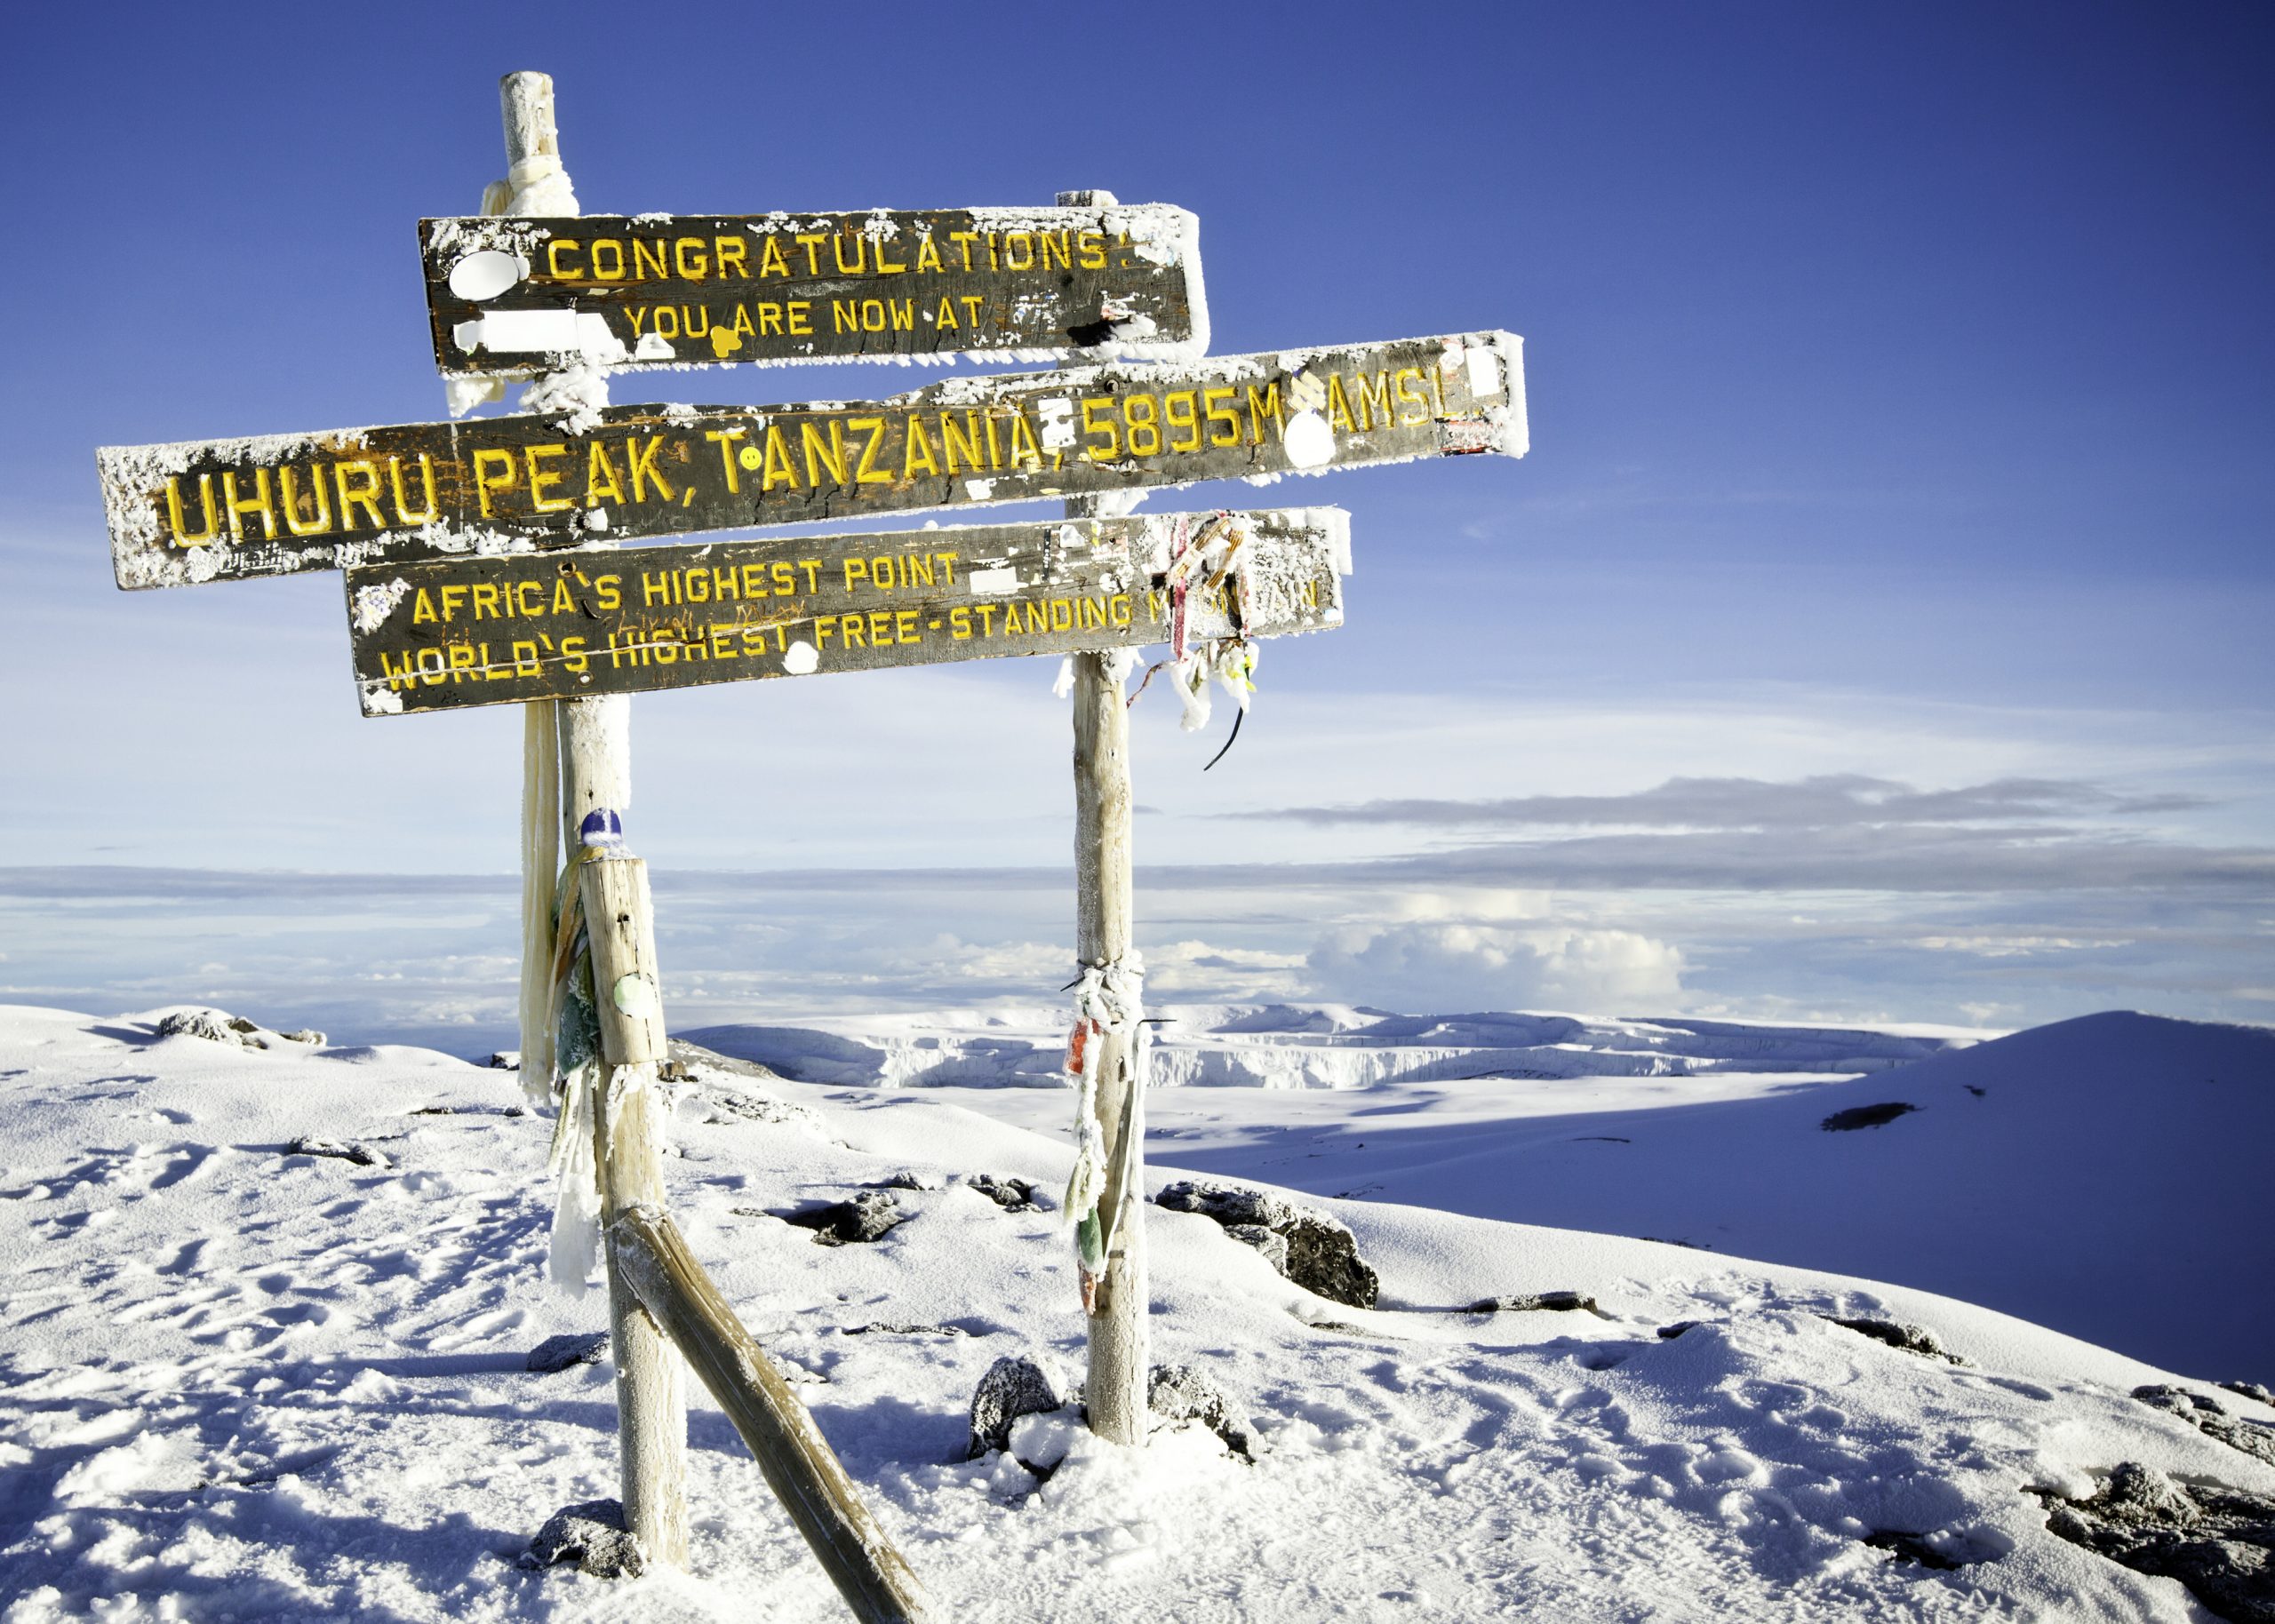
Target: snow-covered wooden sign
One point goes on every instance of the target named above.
(230, 508)
(518, 295)
(497, 630)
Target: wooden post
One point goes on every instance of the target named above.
(871, 1575)
(651, 1397)
(1114, 1393)
(526, 104)
(591, 754)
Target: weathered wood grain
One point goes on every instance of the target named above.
(861, 1561)
(446, 633)
(651, 1387)
(532, 295)
(226, 509)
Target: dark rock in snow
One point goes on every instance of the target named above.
(1012, 1387)
(1865, 1116)
(869, 1215)
(2220, 1542)
(909, 1180)
(893, 1327)
(218, 1026)
(1910, 1339)
(2210, 1417)
(503, 1060)
(1322, 1255)
(1272, 1243)
(559, 1353)
(1909, 1548)
(1527, 1302)
(1178, 1393)
(211, 1024)
(1012, 1195)
(590, 1534)
(362, 1155)
(2250, 1389)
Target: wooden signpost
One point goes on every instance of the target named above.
(451, 632)
(477, 572)
(281, 504)
(516, 295)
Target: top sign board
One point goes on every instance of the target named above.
(516, 296)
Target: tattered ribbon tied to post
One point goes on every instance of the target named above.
(1109, 1013)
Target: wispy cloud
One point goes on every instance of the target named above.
(1827, 801)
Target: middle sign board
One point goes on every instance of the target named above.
(227, 509)
(451, 632)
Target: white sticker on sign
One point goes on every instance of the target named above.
(1309, 442)
(484, 274)
(530, 332)
(800, 659)
(994, 583)
(1484, 371)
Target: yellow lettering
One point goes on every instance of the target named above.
(494, 470)
(613, 271)
(927, 258)
(770, 262)
(1409, 395)
(729, 251)
(318, 490)
(367, 495)
(182, 539)
(866, 473)
(1374, 401)
(1022, 443)
(1095, 424)
(553, 266)
(820, 454)
(725, 438)
(780, 469)
(643, 459)
(403, 516)
(648, 261)
(600, 475)
(258, 503)
(1261, 403)
(542, 479)
(917, 444)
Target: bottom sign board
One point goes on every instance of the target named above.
(498, 629)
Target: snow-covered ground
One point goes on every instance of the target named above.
(2107, 1177)
(241, 1383)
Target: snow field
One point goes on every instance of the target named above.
(239, 1384)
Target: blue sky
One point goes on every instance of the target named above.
(1901, 380)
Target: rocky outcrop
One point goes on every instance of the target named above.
(1013, 1386)
(869, 1215)
(590, 1535)
(2220, 1542)
(1312, 1250)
